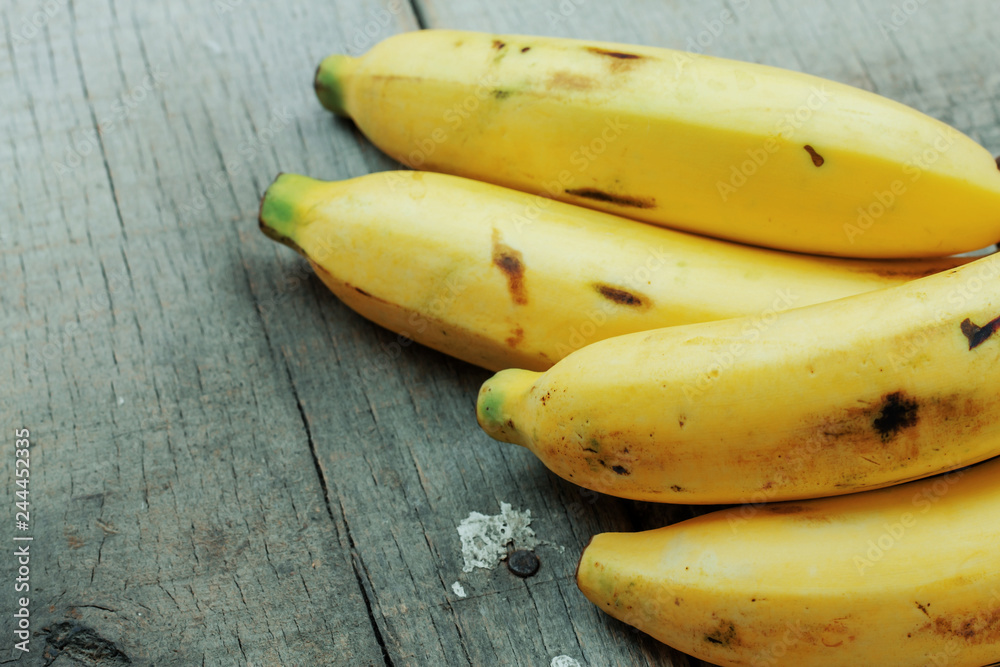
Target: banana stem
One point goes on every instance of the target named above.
(499, 400)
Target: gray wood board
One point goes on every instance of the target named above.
(228, 465)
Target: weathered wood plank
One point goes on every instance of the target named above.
(178, 512)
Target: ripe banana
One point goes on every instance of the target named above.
(853, 394)
(505, 279)
(730, 149)
(901, 577)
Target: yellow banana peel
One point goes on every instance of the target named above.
(731, 149)
(902, 577)
(853, 394)
(501, 278)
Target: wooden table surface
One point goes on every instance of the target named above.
(228, 466)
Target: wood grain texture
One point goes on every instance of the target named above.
(178, 511)
(229, 466)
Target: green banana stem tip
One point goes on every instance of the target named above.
(278, 214)
(329, 82)
(497, 399)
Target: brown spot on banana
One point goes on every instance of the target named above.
(570, 81)
(621, 297)
(896, 409)
(978, 335)
(621, 55)
(516, 337)
(619, 61)
(892, 413)
(851, 431)
(816, 157)
(974, 627)
(898, 412)
(607, 197)
(724, 635)
(511, 263)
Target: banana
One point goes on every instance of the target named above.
(853, 394)
(729, 149)
(901, 577)
(504, 279)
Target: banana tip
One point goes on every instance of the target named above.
(271, 220)
(489, 413)
(499, 398)
(260, 210)
(329, 82)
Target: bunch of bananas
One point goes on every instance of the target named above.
(652, 363)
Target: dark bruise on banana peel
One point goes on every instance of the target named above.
(619, 62)
(621, 55)
(978, 335)
(898, 412)
(620, 296)
(609, 198)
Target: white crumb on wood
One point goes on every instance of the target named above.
(485, 537)
(564, 661)
(459, 590)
